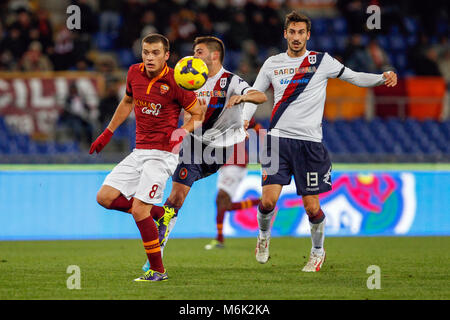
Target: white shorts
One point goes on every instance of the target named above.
(230, 177)
(143, 174)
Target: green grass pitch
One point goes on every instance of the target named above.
(410, 268)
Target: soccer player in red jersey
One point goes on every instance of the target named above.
(138, 181)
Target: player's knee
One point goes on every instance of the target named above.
(103, 199)
(268, 203)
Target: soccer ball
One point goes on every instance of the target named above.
(190, 73)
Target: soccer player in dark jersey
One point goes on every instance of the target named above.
(294, 142)
(138, 181)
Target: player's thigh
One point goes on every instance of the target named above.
(277, 169)
(156, 170)
(106, 195)
(270, 195)
(125, 176)
(312, 169)
(229, 178)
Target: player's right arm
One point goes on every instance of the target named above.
(120, 115)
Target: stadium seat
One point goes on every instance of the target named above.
(426, 94)
(104, 41)
(340, 26)
(344, 100)
(319, 26)
(126, 57)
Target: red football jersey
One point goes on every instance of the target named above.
(157, 106)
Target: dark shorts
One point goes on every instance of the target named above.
(198, 161)
(308, 161)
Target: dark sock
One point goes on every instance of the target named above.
(318, 218)
(170, 205)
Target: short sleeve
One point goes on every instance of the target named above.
(239, 85)
(334, 68)
(263, 81)
(186, 98)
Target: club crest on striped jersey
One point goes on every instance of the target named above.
(312, 59)
(223, 82)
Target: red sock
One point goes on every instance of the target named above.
(122, 204)
(219, 223)
(157, 212)
(149, 235)
(244, 204)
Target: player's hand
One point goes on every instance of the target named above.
(390, 78)
(176, 139)
(246, 122)
(203, 104)
(101, 141)
(235, 100)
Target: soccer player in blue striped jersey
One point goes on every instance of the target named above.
(294, 142)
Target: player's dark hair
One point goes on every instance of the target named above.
(297, 17)
(155, 38)
(213, 44)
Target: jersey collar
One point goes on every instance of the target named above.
(164, 71)
(307, 52)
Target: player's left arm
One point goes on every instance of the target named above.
(336, 69)
(362, 79)
(252, 96)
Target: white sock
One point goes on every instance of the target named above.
(169, 227)
(264, 223)
(317, 236)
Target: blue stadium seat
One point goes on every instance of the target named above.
(397, 42)
(340, 26)
(104, 41)
(126, 57)
(411, 25)
(319, 26)
(383, 42)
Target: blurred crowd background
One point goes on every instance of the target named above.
(408, 123)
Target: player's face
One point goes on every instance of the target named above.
(201, 51)
(297, 35)
(154, 57)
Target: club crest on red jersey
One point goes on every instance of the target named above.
(312, 59)
(164, 88)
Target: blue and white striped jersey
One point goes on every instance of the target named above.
(300, 90)
(222, 126)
